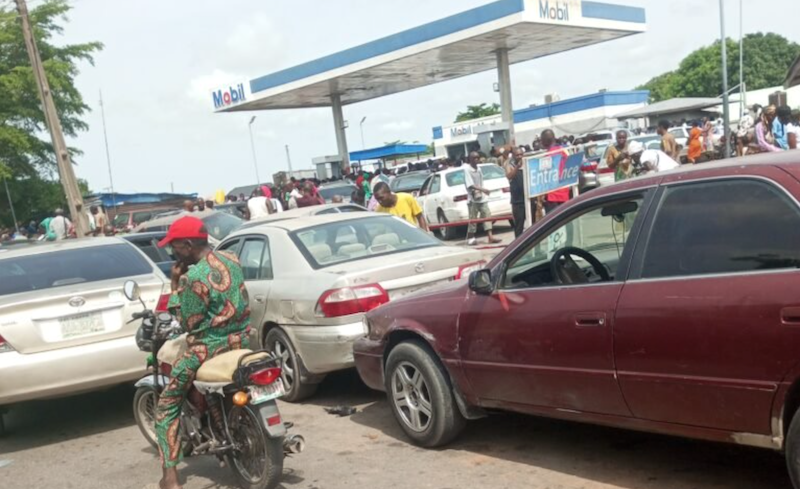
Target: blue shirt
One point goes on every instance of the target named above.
(779, 131)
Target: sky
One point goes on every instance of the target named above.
(161, 59)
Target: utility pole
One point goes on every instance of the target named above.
(726, 109)
(289, 158)
(742, 86)
(11, 206)
(68, 180)
(253, 148)
(108, 153)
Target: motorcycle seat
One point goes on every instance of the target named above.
(222, 367)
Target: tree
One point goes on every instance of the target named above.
(767, 58)
(478, 111)
(26, 153)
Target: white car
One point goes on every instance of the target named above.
(443, 196)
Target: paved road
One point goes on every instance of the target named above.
(91, 441)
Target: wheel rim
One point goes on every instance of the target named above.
(445, 231)
(287, 365)
(148, 403)
(250, 455)
(411, 397)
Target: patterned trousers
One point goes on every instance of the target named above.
(171, 399)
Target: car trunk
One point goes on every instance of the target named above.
(68, 316)
(404, 273)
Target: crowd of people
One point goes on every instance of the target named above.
(58, 227)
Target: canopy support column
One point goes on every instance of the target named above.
(504, 81)
(341, 136)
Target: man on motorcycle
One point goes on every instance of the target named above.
(649, 160)
(210, 301)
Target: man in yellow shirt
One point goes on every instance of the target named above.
(400, 204)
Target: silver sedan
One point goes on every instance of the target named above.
(311, 280)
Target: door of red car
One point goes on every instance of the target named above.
(546, 340)
(709, 321)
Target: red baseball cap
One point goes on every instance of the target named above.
(187, 227)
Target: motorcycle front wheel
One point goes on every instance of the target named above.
(257, 461)
(145, 403)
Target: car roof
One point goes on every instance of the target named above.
(295, 213)
(311, 221)
(50, 246)
(167, 220)
(459, 168)
(143, 236)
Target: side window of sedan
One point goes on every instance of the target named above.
(436, 184)
(585, 249)
(256, 260)
(425, 185)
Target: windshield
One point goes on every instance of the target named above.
(221, 224)
(69, 267)
(492, 172)
(357, 239)
(121, 219)
(412, 181)
(345, 191)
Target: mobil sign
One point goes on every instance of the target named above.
(229, 96)
(557, 11)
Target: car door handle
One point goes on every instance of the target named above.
(590, 320)
(260, 299)
(790, 316)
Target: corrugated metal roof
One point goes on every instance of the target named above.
(669, 107)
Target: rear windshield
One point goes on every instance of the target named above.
(221, 224)
(358, 239)
(121, 219)
(328, 193)
(69, 267)
(413, 181)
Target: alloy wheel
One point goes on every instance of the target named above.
(411, 397)
(287, 366)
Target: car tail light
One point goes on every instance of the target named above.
(266, 376)
(465, 270)
(506, 190)
(589, 167)
(351, 300)
(4, 346)
(459, 198)
(163, 303)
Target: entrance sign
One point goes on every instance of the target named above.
(549, 172)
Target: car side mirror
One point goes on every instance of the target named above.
(131, 290)
(480, 282)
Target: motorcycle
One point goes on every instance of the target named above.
(231, 411)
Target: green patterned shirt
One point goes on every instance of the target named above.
(211, 302)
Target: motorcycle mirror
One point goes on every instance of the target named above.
(131, 290)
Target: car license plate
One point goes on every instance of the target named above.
(81, 325)
(264, 393)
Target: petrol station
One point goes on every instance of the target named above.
(490, 37)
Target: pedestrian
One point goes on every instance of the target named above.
(258, 206)
(209, 300)
(188, 206)
(617, 157)
(651, 160)
(47, 233)
(557, 197)
(708, 135)
(764, 127)
(780, 126)
(210, 205)
(399, 204)
(60, 225)
(793, 130)
(337, 199)
(745, 132)
(201, 205)
(108, 230)
(668, 143)
(514, 173)
(477, 200)
(310, 196)
(100, 218)
(695, 151)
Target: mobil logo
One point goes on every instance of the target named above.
(554, 11)
(231, 96)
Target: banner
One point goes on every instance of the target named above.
(549, 172)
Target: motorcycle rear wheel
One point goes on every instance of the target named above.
(145, 404)
(258, 464)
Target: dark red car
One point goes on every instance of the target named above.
(669, 303)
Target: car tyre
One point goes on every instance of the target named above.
(421, 397)
(793, 450)
(281, 346)
(447, 233)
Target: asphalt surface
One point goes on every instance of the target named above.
(91, 441)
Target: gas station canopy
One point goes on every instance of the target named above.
(391, 151)
(453, 47)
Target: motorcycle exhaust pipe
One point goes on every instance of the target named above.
(294, 444)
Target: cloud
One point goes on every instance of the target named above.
(398, 126)
(257, 42)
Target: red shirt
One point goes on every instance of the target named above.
(561, 195)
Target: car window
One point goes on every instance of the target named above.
(492, 172)
(678, 133)
(345, 241)
(436, 184)
(140, 217)
(62, 268)
(232, 246)
(220, 224)
(455, 178)
(602, 232)
(121, 219)
(250, 258)
(409, 183)
(345, 191)
(729, 226)
(149, 248)
(351, 208)
(425, 186)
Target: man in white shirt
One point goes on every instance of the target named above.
(257, 205)
(477, 201)
(60, 225)
(652, 160)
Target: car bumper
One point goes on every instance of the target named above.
(69, 371)
(368, 355)
(324, 349)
